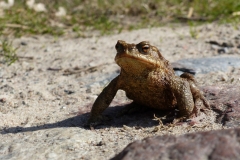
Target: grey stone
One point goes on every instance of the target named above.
(206, 65)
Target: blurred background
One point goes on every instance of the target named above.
(58, 17)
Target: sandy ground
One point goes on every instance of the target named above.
(43, 110)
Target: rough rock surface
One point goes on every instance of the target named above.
(45, 101)
(225, 100)
(211, 145)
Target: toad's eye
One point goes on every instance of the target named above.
(145, 48)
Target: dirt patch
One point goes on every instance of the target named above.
(43, 108)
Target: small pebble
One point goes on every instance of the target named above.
(3, 100)
(23, 43)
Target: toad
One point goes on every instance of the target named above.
(149, 80)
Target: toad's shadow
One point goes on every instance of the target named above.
(140, 119)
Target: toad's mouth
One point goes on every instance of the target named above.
(123, 58)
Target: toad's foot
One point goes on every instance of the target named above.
(201, 105)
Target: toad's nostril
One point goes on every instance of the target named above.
(119, 46)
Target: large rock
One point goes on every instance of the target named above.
(212, 145)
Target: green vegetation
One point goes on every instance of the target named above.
(7, 52)
(193, 30)
(107, 16)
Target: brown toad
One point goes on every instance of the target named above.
(148, 79)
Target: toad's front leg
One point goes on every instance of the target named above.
(182, 91)
(103, 100)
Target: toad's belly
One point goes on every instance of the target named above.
(154, 96)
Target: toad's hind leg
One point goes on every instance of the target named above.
(199, 100)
